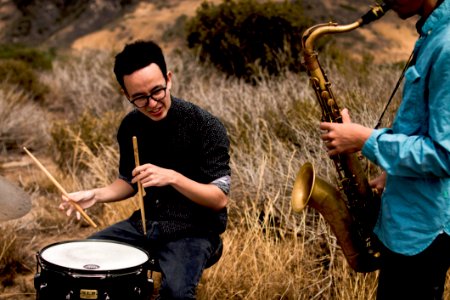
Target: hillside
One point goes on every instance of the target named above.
(108, 24)
(269, 251)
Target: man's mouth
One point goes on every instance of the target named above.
(154, 111)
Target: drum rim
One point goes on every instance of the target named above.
(83, 271)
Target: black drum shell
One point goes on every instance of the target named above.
(54, 282)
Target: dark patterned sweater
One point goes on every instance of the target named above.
(190, 141)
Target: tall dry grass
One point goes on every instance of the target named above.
(270, 252)
(22, 121)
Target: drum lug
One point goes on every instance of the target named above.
(38, 285)
(69, 295)
(137, 290)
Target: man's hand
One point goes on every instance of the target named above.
(151, 175)
(346, 137)
(379, 182)
(84, 198)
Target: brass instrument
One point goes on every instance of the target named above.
(352, 217)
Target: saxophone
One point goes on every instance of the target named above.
(351, 215)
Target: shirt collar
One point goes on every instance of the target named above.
(437, 17)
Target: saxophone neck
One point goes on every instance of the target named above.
(313, 33)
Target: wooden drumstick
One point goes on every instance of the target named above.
(61, 189)
(140, 189)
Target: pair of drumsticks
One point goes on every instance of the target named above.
(141, 191)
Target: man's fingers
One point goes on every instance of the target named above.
(69, 211)
(345, 116)
(326, 126)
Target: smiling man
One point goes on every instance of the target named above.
(414, 221)
(184, 156)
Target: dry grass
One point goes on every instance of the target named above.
(270, 253)
(23, 122)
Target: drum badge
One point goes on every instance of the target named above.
(91, 267)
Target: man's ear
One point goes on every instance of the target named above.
(169, 79)
(125, 93)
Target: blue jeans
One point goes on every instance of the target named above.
(181, 261)
(417, 277)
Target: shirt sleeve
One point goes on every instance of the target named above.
(126, 160)
(425, 154)
(223, 183)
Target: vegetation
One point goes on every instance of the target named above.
(34, 58)
(246, 37)
(270, 252)
(19, 66)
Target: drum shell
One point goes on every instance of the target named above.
(54, 282)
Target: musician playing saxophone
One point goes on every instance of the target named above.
(414, 220)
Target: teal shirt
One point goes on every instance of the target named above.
(415, 152)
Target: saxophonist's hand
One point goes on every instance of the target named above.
(345, 137)
(379, 182)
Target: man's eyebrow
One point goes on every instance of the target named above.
(157, 87)
(138, 94)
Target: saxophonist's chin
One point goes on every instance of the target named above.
(403, 15)
(404, 11)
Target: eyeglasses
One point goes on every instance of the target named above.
(157, 95)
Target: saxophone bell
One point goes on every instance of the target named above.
(310, 190)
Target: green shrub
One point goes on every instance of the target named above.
(245, 37)
(36, 59)
(19, 73)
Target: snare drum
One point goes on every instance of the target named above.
(92, 269)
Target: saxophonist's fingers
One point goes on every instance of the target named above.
(326, 126)
(345, 116)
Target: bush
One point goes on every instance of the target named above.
(243, 37)
(18, 73)
(36, 59)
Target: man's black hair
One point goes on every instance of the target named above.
(136, 56)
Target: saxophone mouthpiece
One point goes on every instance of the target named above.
(386, 5)
(375, 13)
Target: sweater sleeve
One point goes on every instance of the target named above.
(215, 147)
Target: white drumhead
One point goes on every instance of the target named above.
(94, 255)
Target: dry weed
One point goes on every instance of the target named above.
(270, 252)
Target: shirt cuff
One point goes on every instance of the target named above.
(370, 148)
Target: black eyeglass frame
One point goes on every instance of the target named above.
(147, 97)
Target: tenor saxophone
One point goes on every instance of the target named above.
(353, 213)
